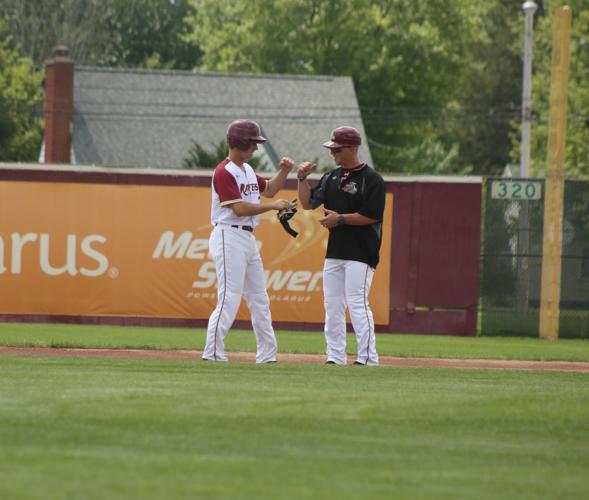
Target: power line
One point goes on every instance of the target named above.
(383, 119)
(427, 110)
(289, 113)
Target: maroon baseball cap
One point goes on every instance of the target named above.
(343, 137)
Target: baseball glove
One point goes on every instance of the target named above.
(285, 215)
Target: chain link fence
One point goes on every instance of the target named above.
(511, 260)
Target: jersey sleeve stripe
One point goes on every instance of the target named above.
(230, 202)
(262, 183)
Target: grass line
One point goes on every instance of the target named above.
(119, 337)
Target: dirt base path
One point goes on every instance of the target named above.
(248, 357)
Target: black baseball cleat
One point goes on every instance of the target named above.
(330, 363)
(359, 363)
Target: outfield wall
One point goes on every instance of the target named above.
(95, 245)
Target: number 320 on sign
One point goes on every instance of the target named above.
(516, 190)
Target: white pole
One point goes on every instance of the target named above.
(529, 9)
(522, 283)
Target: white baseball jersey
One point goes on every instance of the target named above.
(238, 264)
(232, 184)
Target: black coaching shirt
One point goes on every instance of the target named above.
(360, 190)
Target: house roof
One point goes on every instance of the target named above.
(143, 118)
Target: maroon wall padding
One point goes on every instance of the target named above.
(435, 257)
(449, 245)
(434, 283)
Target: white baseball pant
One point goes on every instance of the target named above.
(347, 283)
(239, 272)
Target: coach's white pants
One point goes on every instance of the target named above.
(347, 283)
(239, 272)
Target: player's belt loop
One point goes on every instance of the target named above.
(245, 228)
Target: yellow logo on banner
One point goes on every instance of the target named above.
(142, 251)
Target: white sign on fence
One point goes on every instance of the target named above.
(516, 190)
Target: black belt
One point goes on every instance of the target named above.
(245, 228)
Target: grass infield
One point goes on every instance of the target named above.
(100, 428)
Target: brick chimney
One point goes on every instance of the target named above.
(59, 106)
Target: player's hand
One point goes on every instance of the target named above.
(330, 219)
(283, 204)
(286, 164)
(284, 215)
(306, 168)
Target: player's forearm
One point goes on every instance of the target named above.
(304, 192)
(245, 209)
(276, 183)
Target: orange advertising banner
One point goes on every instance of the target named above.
(142, 251)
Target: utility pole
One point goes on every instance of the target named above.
(523, 240)
(529, 9)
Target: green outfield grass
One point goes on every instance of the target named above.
(124, 429)
(20, 334)
(497, 321)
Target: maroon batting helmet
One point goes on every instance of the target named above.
(343, 137)
(241, 133)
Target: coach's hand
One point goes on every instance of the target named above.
(305, 168)
(330, 220)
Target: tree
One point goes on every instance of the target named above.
(37, 26)
(150, 34)
(199, 157)
(20, 93)
(491, 92)
(408, 59)
(577, 138)
(141, 33)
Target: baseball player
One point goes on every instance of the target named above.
(235, 211)
(353, 198)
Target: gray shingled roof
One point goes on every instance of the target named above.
(141, 118)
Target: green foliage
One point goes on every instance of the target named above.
(408, 61)
(410, 90)
(20, 117)
(39, 25)
(149, 34)
(141, 33)
(490, 95)
(431, 77)
(429, 157)
(281, 36)
(438, 82)
(199, 157)
(577, 148)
